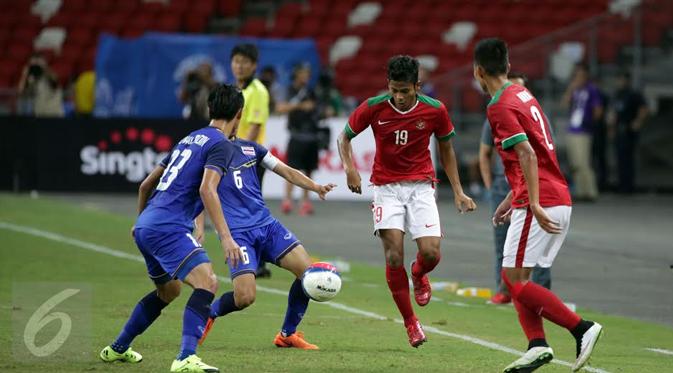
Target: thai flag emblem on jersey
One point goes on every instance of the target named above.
(248, 150)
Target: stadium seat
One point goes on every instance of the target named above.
(195, 22)
(254, 27)
(364, 14)
(230, 8)
(50, 38)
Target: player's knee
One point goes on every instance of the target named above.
(430, 253)
(211, 283)
(394, 258)
(169, 292)
(244, 299)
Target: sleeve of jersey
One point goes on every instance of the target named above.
(219, 157)
(358, 121)
(259, 107)
(444, 130)
(167, 159)
(507, 126)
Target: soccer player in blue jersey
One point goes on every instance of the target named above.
(180, 187)
(261, 237)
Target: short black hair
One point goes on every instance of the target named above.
(518, 75)
(403, 68)
(224, 102)
(246, 50)
(491, 54)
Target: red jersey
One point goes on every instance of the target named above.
(516, 116)
(402, 138)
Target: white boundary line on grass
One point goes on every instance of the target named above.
(660, 350)
(120, 254)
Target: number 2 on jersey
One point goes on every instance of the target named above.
(538, 118)
(171, 171)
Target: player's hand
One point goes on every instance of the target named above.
(545, 222)
(199, 234)
(324, 189)
(503, 213)
(464, 203)
(354, 181)
(232, 252)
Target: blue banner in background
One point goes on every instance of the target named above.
(141, 77)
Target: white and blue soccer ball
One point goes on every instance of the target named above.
(321, 282)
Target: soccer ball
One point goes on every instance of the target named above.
(321, 282)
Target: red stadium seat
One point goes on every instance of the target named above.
(81, 36)
(74, 5)
(254, 27)
(195, 22)
(230, 8)
(168, 22)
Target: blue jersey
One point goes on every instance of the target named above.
(176, 200)
(239, 190)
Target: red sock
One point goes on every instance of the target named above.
(398, 282)
(531, 322)
(545, 303)
(423, 265)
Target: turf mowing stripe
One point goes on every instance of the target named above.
(120, 254)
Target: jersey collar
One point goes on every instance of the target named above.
(497, 94)
(390, 102)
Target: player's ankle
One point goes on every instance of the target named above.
(581, 328)
(537, 342)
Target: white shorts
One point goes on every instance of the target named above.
(527, 245)
(408, 206)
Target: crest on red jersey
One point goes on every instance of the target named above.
(420, 124)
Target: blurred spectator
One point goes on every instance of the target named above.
(626, 118)
(302, 121)
(586, 108)
(85, 93)
(269, 78)
(599, 145)
(493, 174)
(39, 91)
(194, 92)
(427, 88)
(328, 97)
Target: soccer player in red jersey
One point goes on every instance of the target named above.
(404, 179)
(538, 206)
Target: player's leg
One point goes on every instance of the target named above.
(422, 217)
(306, 205)
(309, 164)
(147, 309)
(499, 191)
(535, 246)
(283, 248)
(243, 281)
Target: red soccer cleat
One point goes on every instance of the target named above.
(306, 209)
(422, 288)
(415, 333)
(206, 330)
(286, 206)
(500, 298)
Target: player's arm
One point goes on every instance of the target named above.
(258, 114)
(450, 166)
(148, 185)
(294, 176)
(485, 152)
(353, 178)
(253, 132)
(528, 162)
(211, 203)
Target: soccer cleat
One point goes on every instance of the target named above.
(192, 363)
(500, 298)
(295, 340)
(585, 345)
(416, 334)
(286, 206)
(422, 288)
(306, 209)
(531, 360)
(206, 330)
(109, 355)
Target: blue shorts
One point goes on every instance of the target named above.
(169, 255)
(269, 243)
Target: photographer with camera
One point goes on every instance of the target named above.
(194, 92)
(39, 92)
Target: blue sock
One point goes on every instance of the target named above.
(194, 320)
(146, 311)
(297, 302)
(223, 305)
